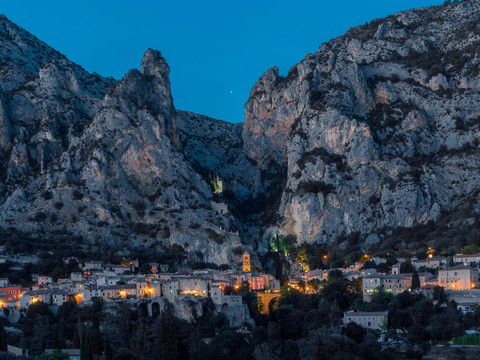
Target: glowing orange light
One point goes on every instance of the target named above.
(325, 256)
(78, 298)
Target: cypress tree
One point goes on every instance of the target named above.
(85, 349)
(83, 345)
(170, 342)
(320, 353)
(55, 340)
(76, 339)
(108, 349)
(96, 321)
(415, 281)
(3, 336)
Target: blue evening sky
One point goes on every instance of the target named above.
(216, 49)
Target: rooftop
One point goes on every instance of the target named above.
(366, 313)
(459, 267)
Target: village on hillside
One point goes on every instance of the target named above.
(457, 277)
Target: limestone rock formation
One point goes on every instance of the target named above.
(379, 129)
(100, 158)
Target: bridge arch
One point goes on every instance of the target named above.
(265, 300)
(155, 306)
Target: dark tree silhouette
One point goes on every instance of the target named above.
(415, 281)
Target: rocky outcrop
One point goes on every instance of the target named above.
(236, 316)
(378, 129)
(100, 158)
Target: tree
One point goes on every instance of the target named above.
(334, 275)
(314, 284)
(55, 355)
(354, 332)
(108, 350)
(76, 339)
(320, 354)
(340, 292)
(85, 350)
(3, 336)
(244, 288)
(439, 294)
(55, 339)
(169, 340)
(406, 268)
(415, 281)
(302, 285)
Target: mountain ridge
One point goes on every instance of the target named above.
(375, 131)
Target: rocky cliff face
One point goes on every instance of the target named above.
(378, 129)
(100, 158)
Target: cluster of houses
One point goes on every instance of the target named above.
(458, 275)
(117, 282)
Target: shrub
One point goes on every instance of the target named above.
(58, 205)
(77, 195)
(373, 199)
(40, 216)
(53, 218)
(139, 207)
(315, 187)
(238, 250)
(46, 194)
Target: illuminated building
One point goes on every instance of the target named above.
(246, 263)
(459, 277)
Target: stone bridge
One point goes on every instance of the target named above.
(155, 306)
(265, 301)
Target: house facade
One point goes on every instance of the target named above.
(459, 277)
(368, 320)
(466, 259)
(393, 283)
